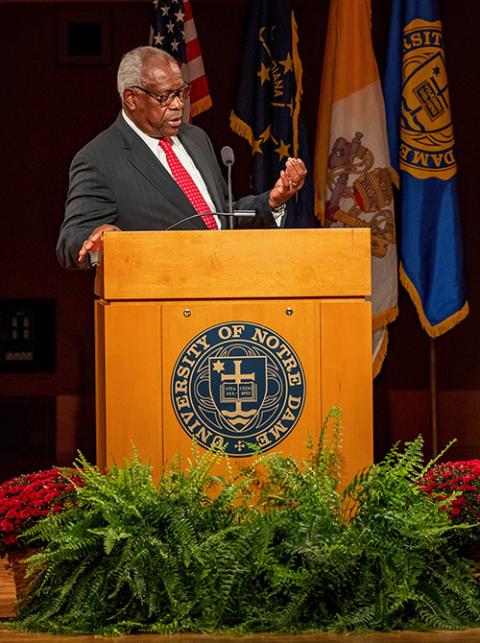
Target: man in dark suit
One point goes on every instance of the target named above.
(125, 180)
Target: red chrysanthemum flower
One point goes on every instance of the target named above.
(458, 479)
(27, 498)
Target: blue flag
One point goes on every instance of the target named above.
(422, 153)
(267, 109)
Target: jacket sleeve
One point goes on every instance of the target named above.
(90, 203)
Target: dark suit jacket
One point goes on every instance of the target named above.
(116, 179)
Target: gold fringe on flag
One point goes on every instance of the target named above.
(442, 327)
(298, 71)
(200, 106)
(384, 318)
(380, 356)
(241, 128)
(395, 177)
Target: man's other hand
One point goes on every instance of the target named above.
(291, 180)
(94, 243)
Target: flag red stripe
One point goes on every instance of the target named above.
(199, 89)
(193, 49)
(187, 10)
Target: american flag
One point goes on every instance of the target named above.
(174, 31)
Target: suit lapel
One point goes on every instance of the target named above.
(142, 159)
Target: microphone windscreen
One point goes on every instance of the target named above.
(228, 157)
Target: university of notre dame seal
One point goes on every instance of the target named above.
(426, 148)
(236, 386)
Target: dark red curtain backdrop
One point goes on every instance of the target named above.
(50, 110)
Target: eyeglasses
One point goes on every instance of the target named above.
(167, 97)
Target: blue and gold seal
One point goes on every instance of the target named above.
(426, 149)
(238, 387)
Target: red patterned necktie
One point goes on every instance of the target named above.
(187, 184)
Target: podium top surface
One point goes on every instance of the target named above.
(235, 264)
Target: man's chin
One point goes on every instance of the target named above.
(172, 127)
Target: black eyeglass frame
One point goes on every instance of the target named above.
(165, 98)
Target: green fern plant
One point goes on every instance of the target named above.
(127, 552)
(408, 572)
(279, 547)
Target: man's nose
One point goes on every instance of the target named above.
(176, 100)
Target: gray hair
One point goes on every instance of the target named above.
(130, 69)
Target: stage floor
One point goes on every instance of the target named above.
(465, 636)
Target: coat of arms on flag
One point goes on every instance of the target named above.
(352, 166)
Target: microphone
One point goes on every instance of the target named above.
(228, 159)
(238, 214)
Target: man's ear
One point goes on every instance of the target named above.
(129, 99)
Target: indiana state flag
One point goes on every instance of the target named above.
(267, 109)
(422, 152)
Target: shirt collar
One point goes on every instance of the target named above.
(148, 140)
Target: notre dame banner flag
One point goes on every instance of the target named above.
(267, 109)
(352, 166)
(422, 151)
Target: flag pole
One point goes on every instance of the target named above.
(433, 397)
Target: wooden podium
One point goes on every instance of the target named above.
(234, 338)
